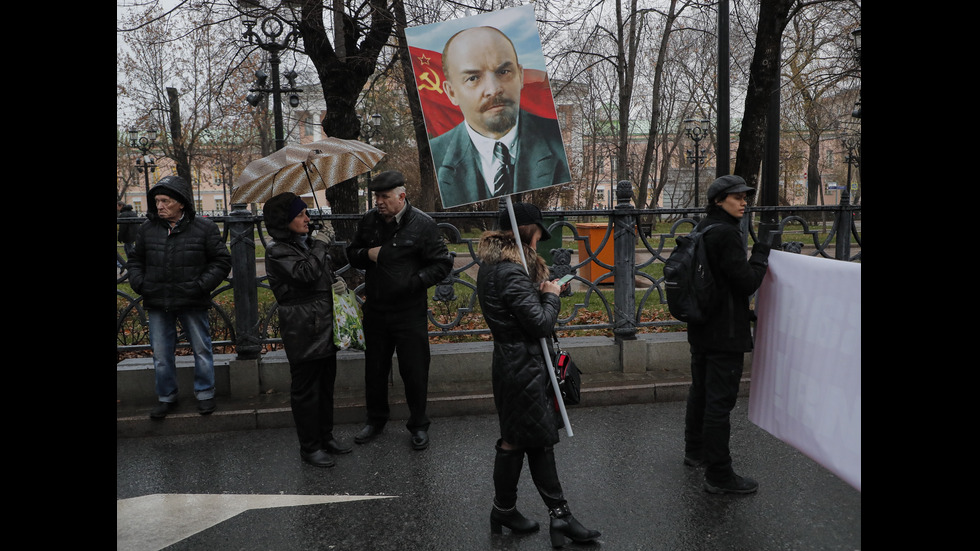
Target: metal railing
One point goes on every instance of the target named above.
(611, 249)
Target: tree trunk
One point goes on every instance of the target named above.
(641, 201)
(342, 80)
(177, 137)
(763, 80)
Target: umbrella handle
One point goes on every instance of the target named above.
(310, 180)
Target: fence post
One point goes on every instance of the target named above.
(624, 252)
(241, 231)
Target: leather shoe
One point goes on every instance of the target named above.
(205, 407)
(336, 447)
(420, 440)
(318, 458)
(735, 485)
(367, 434)
(162, 409)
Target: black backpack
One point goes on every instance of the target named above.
(688, 280)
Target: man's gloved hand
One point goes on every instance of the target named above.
(761, 248)
(340, 287)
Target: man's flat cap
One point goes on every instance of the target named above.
(386, 180)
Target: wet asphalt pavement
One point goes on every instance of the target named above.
(622, 472)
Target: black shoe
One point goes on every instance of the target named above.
(513, 519)
(736, 485)
(318, 458)
(162, 409)
(334, 447)
(420, 440)
(367, 434)
(693, 461)
(563, 525)
(205, 407)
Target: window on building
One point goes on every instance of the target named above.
(309, 128)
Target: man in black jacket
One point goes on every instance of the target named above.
(178, 259)
(127, 232)
(402, 253)
(718, 346)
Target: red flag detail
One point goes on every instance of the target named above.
(441, 115)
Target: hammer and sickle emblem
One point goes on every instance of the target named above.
(435, 86)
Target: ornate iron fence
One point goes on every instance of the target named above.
(615, 256)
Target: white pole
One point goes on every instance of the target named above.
(544, 342)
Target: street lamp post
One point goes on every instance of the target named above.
(272, 40)
(370, 130)
(850, 142)
(696, 130)
(144, 163)
(856, 33)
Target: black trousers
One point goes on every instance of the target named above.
(407, 333)
(707, 424)
(311, 398)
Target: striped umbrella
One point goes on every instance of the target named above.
(300, 168)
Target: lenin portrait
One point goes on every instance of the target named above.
(491, 122)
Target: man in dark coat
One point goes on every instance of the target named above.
(498, 149)
(178, 260)
(718, 346)
(402, 253)
(127, 232)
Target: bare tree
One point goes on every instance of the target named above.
(814, 72)
(764, 73)
(179, 78)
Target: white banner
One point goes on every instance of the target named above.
(806, 366)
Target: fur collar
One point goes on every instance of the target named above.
(500, 246)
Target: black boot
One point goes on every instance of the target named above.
(507, 467)
(511, 518)
(541, 462)
(563, 525)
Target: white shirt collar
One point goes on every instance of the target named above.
(401, 213)
(484, 146)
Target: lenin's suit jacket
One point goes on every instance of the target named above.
(541, 163)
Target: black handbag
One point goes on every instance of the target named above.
(568, 375)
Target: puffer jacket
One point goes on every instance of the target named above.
(519, 316)
(728, 327)
(413, 257)
(300, 278)
(177, 269)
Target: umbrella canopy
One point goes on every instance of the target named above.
(302, 168)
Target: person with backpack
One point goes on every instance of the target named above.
(718, 344)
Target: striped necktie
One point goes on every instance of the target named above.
(503, 180)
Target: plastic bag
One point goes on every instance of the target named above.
(348, 331)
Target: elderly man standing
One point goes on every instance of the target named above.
(402, 253)
(178, 259)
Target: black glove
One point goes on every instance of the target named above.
(761, 248)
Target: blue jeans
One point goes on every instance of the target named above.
(163, 340)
